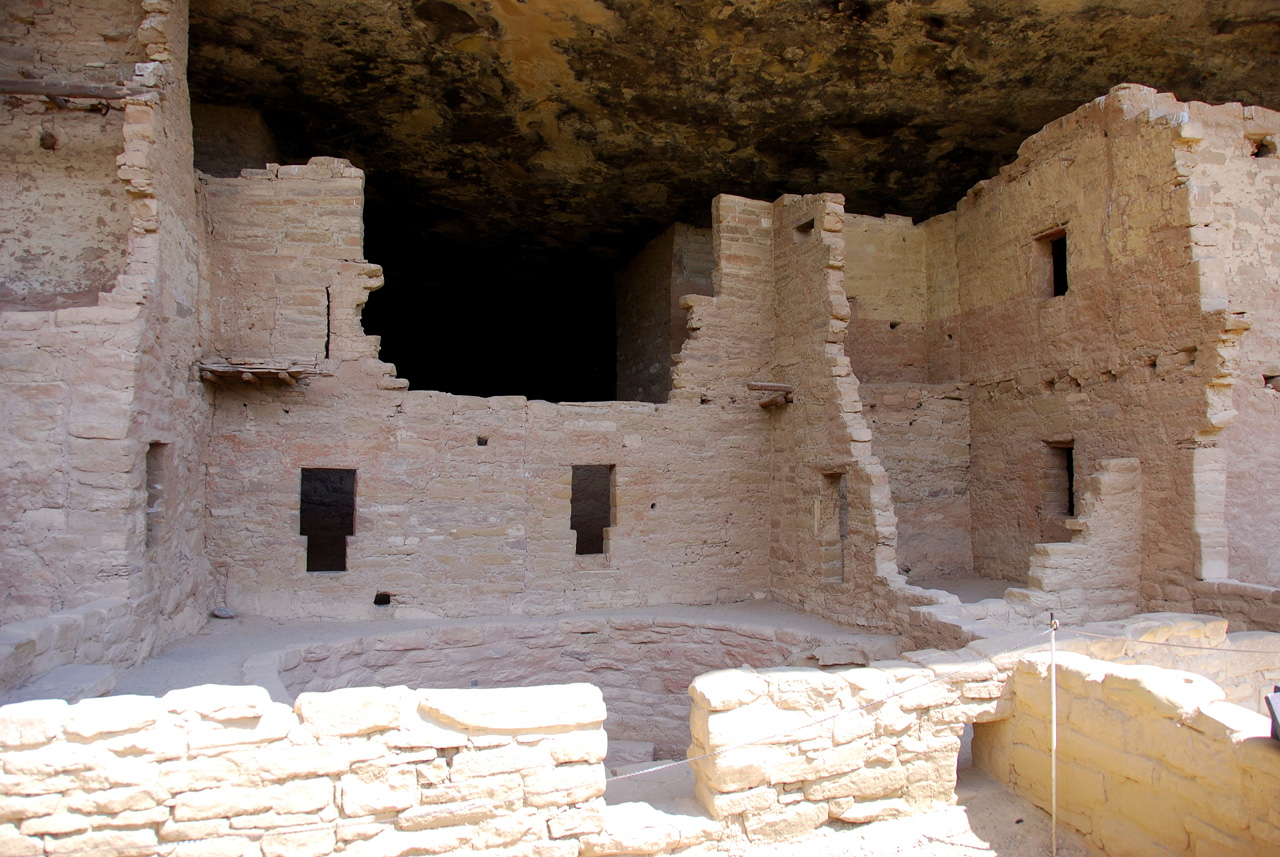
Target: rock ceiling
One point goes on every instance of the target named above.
(591, 124)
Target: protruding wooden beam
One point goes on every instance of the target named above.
(69, 89)
(286, 377)
(774, 401)
(770, 387)
(249, 377)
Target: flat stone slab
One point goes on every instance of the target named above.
(72, 682)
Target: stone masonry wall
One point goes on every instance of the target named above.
(223, 770)
(1150, 761)
(66, 213)
(279, 234)
(89, 391)
(729, 333)
(691, 272)
(175, 589)
(886, 281)
(453, 528)
(375, 772)
(921, 437)
(1107, 367)
(95, 41)
(1234, 165)
(463, 504)
(833, 528)
(795, 747)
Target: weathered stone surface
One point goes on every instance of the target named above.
(512, 710)
(355, 711)
(724, 689)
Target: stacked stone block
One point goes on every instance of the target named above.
(1149, 761)
(220, 771)
(796, 747)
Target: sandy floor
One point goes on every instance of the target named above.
(987, 819)
(968, 589)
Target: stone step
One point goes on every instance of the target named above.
(73, 683)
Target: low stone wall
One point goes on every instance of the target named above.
(1245, 664)
(393, 771)
(99, 632)
(225, 771)
(795, 747)
(643, 664)
(802, 746)
(1150, 761)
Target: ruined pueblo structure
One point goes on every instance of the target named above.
(853, 468)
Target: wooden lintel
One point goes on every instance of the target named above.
(69, 89)
(770, 387)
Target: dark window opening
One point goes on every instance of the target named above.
(156, 465)
(805, 228)
(481, 440)
(1271, 382)
(1058, 247)
(1057, 491)
(1051, 263)
(527, 322)
(591, 507)
(1264, 148)
(381, 599)
(327, 515)
(831, 524)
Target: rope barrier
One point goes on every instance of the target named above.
(1053, 734)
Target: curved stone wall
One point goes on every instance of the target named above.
(643, 664)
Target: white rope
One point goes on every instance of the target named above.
(1053, 733)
